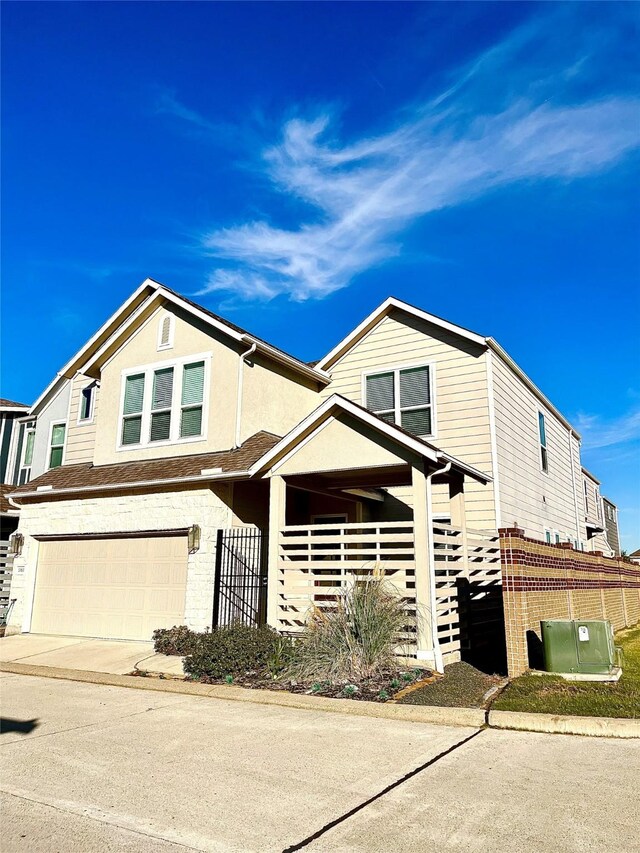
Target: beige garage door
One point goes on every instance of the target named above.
(102, 587)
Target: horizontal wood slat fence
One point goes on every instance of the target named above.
(6, 569)
(317, 561)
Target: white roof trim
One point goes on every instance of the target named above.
(16, 409)
(417, 445)
(379, 314)
(148, 282)
(389, 304)
(504, 355)
(199, 478)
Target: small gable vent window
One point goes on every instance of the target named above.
(403, 397)
(165, 332)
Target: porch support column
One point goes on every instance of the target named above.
(458, 514)
(425, 585)
(277, 517)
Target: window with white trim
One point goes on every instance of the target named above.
(163, 403)
(86, 403)
(586, 496)
(544, 458)
(403, 396)
(547, 537)
(27, 456)
(56, 444)
(165, 332)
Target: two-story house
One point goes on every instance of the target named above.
(611, 525)
(179, 424)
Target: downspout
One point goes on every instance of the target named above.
(244, 356)
(437, 654)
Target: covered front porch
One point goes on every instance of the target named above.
(353, 496)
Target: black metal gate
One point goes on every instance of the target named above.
(240, 586)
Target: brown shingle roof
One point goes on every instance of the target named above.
(5, 506)
(11, 404)
(88, 476)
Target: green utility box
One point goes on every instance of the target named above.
(574, 646)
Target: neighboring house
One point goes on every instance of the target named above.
(172, 424)
(635, 557)
(594, 514)
(611, 525)
(10, 415)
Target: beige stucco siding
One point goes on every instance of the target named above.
(273, 400)
(81, 437)
(529, 497)
(460, 394)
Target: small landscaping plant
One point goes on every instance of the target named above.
(232, 651)
(178, 640)
(354, 640)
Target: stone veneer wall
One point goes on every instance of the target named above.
(123, 513)
(542, 581)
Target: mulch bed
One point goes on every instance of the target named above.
(380, 689)
(462, 686)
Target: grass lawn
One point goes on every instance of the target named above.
(463, 686)
(548, 694)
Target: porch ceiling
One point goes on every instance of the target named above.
(354, 478)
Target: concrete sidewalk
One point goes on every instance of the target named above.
(118, 657)
(92, 768)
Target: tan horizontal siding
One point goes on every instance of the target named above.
(460, 396)
(529, 497)
(81, 438)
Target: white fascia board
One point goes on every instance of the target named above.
(14, 409)
(148, 282)
(504, 355)
(419, 447)
(288, 360)
(200, 478)
(379, 314)
(591, 476)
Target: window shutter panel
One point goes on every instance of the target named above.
(160, 426)
(134, 394)
(192, 383)
(417, 421)
(162, 388)
(191, 422)
(131, 430)
(414, 387)
(380, 392)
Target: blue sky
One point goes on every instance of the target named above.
(291, 165)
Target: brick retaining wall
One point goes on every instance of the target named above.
(542, 581)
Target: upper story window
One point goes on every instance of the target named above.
(56, 444)
(163, 403)
(403, 396)
(165, 332)
(544, 458)
(586, 496)
(85, 412)
(27, 456)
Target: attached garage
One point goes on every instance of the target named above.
(119, 586)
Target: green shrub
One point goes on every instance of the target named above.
(354, 640)
(178, 640)
(232, 651)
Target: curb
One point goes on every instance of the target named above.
(558, 724)
(469, 717)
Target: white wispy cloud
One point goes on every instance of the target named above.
(598, 432)
(360, 195)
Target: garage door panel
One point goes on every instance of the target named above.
(118, 587)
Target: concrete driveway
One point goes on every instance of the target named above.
(95, 768)
(118, 657)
